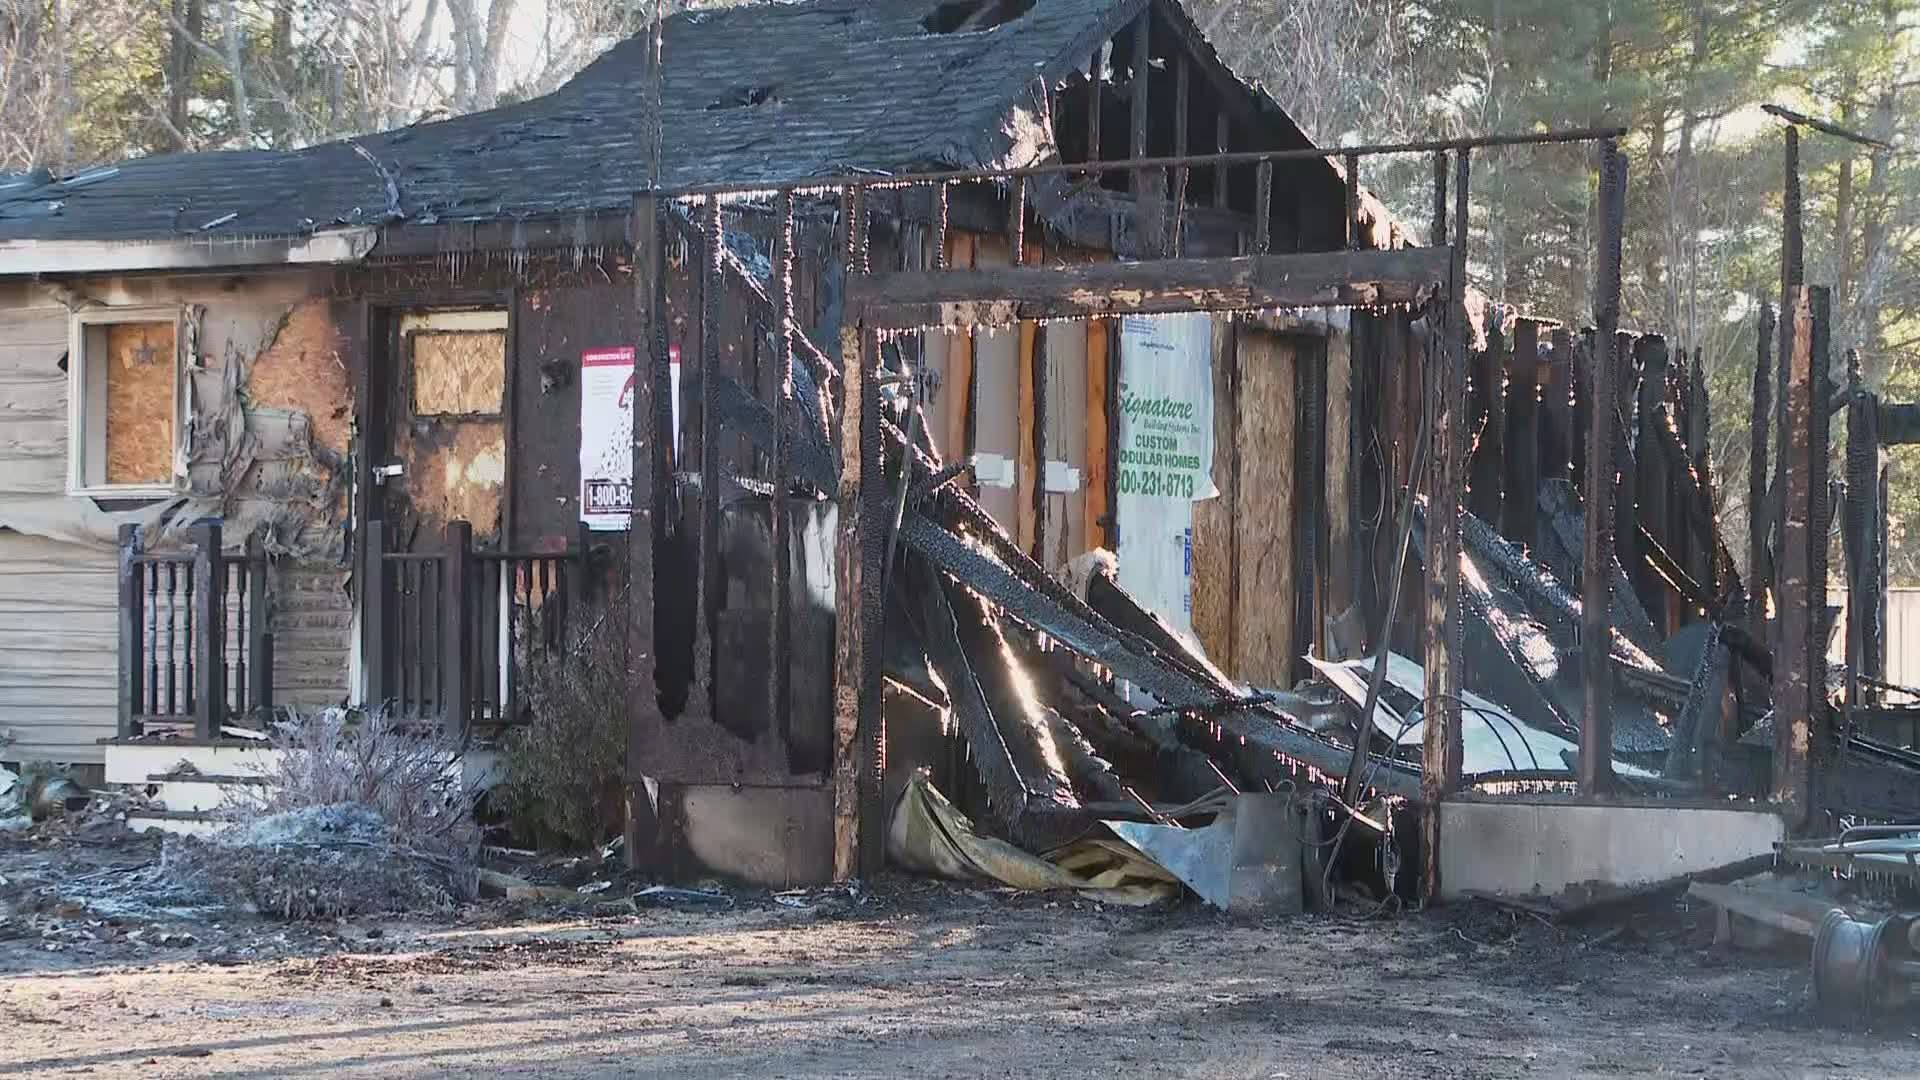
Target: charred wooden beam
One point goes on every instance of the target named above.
(1597, 556)
(780, 643)
(1242, 157)
(1096, 83)
(1310, 500)
(1759, 528)
(1001, 296)
(1263, 208)
(1706, 550)
(652, 425)
(859, 734)
(1860, 530)
(1017, 222)
(1652, 479)
(1796, 691)
(712, 585)
(1820, 515)
(1241, 723)
(1486, 418)
(1353, 200)
(1036, 436)
(992, 758)
(1825, 126)
(1182, 105)
(1222, 138)
(1138, 87)
(1557, 434)
(942, 224)
(1444, 678)
(1792, 274)
(1626, 489)
(1520, 510)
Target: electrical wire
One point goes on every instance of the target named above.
(1333, 853)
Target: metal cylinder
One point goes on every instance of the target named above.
(1860, 966)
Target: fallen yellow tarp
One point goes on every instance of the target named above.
(930, 835)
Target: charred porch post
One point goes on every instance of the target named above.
(1595, 772)
(1449, 401)
(859, 732)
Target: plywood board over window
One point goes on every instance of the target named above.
(459, 372)
(140, 385)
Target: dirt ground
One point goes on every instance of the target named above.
(914, 978)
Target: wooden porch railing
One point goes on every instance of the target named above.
(196, 640)
(443, 632)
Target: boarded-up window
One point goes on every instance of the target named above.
(126, 387)
(459, 372)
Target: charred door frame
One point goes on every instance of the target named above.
(388, 377)
(377, 379)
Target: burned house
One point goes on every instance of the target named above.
(353, 355)
(987, 386)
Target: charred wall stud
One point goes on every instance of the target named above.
(1797, 696)
(780, 646)
(1597, 559)
(1521, 506)
(1443, 675)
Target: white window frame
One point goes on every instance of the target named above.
(78, 326)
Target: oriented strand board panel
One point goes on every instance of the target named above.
(459, 372)
(305, 370)
(1214, 581)
(59, 637)
(1263, 631)
(141, 375)
(455, 472)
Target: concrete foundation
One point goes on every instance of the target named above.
(1574, 853)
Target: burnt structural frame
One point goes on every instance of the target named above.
(877, 304)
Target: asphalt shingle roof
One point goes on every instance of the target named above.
(776, 91)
